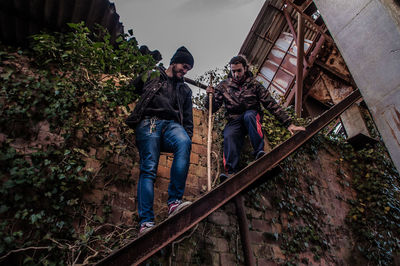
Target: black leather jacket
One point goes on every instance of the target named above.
(150, 88)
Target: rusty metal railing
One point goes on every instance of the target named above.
(161, 235)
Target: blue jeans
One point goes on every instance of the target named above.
(235, 131)
(167, 136)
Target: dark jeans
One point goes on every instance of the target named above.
(234, 133)
(167, 136)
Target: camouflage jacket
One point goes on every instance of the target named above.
(248, 95)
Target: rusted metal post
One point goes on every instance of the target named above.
(311, 61)
(291, 27)
(244, 231)
(299, 74)
(319, 28)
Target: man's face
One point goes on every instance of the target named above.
(238, 72)
(180, 70)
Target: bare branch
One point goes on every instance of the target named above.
(21, 250)
(183, 238)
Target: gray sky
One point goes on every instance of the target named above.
(212, 30)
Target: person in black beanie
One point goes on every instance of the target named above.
(163, 121)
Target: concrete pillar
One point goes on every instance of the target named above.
(367, 33)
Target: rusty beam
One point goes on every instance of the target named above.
(161, 235)
(291, 27)
(319, 28)
(334, 72)
(299, 73)
(311, 60)
(244, 231)
(332, 127)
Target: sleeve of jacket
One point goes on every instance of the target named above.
(138, 85)
(188, 113)
(218, 99)
(272, 106)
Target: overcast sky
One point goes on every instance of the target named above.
(212, 30)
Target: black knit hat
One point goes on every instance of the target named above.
(182, 56)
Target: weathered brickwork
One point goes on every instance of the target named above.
(119, 198)
(216, 240)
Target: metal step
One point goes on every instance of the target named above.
(161, 235)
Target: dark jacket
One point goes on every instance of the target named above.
(149, 88)
(245, 96)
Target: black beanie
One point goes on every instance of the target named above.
(182, 56)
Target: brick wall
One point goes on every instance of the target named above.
(216, 240)
(118, 197)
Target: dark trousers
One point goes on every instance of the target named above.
(234, 133)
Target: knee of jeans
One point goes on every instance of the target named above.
(146, 176)
(185, 143)
(149, 168)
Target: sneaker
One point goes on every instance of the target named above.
(223, 177)
(145, 227)
(175, 206)
(260, 154)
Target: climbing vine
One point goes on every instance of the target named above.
(374, 215)
(73, 87)
(78, 86)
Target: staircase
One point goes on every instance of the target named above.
(166, 232)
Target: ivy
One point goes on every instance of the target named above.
(39, 195)
(77, 83)
(375, 214)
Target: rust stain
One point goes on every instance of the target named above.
(397, 123)
(393, 133)
(398, 118)
(336, 90)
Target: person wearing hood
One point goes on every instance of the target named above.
(242, 94)
(163, 121)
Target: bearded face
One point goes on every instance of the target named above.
(238, 72)
(179, 70)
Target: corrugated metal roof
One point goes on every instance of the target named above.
(267, 28)
(270, 45)
(22, 18)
